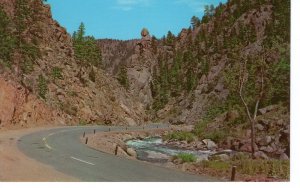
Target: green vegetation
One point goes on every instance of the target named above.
(186, 157)
(42, 87)
(195, 22)
(177, 75)
(267, 168)
(123, 78)
(57, 73)
(180, 136)
(86, 50)
(7, 39)
(28, 50)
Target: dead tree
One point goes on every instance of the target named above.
(251, 117)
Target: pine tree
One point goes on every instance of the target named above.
(123, 78)
(195, 22)
(7, 40)
(170, 39)
(86, 50)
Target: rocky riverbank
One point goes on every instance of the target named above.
(217, 162)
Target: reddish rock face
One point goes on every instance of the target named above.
(68, 100)
(8, 98)
(8, 6)
(21, 109)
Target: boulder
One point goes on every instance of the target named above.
(268, 109)
(259, 127)
(144, 32)
(265, 141)
(267, 149)
(131, 152)
(248, 133)
(260, 155)
(264, 122)
(121, 152)
(247, 147)
(211, 145)
(284, 156)
(220, 157)
(235, 144)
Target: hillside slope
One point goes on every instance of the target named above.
(41, 82)
(188, 76)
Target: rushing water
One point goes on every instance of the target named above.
(154, 150)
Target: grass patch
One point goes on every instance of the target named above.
(180, 136)
(186, 157)
(199, 130)
(216, 165)
(57, 73)
(267, 168)
(216, 135)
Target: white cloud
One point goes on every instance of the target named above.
(196, 5)
(127, 5)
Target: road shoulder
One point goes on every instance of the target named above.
(17, 167)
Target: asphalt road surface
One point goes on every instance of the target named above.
(62, 149)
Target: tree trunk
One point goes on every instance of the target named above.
(253, 138)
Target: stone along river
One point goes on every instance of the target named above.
(153, 149)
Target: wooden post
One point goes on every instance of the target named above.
(94, 131)
(157, 126)
(108, 129)
(83, 134)
(86, 140)
(116, 150)
(233, 173)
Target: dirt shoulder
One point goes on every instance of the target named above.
(16, 167)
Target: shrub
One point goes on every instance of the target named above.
(217, 135)
(180, 136)
(56, 73)
(42, 87)
(186, 157)
(199, 130)
(123, 78)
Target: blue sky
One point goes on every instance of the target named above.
(124, 19)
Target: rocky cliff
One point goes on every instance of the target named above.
(138, 59)
(241, 48)
(181, 79)
(41, 82)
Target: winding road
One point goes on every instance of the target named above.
(62, 149)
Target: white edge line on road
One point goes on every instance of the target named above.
(45, 139)
(82, 161)
(46, 144)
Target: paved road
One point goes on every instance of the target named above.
(62, 149)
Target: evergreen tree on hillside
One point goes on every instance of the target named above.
(7, 40)
(28, 50)
(195, 22)
(86, 50)
(123, 78)
(170, 40)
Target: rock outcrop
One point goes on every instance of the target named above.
(71, 96)
(137, 57)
